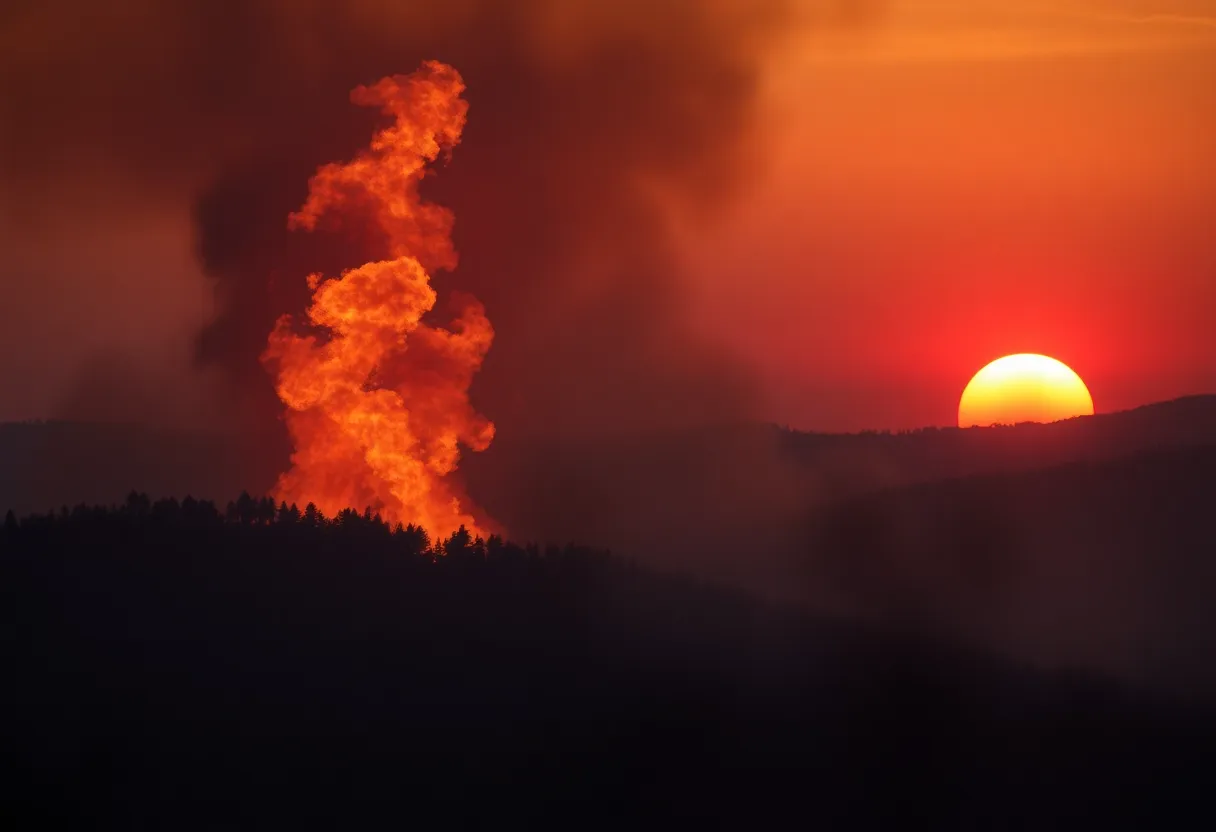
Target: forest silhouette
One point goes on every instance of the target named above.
(178, 664)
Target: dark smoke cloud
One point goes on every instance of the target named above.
(588, 119)
(578, 114)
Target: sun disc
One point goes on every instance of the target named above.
(1023, 388)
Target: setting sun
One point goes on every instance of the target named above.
(1023, 388)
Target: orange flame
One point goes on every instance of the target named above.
(378, 411)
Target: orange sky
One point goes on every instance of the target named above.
(969, 179)
(937, 183)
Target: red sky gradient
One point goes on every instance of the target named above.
(944, 183)
(969, 180)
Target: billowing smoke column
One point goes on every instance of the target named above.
(378, 408)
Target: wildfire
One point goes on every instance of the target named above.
(379, 409)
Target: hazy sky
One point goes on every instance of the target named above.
(928, 188)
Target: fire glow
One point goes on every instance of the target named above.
(378, 408)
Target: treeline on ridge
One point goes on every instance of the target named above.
(189, 514)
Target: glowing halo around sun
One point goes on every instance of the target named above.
(1023, 388)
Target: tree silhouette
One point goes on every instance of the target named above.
(260, 659)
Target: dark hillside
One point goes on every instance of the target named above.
(168, 668)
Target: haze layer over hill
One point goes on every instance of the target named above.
(540, 490)
(1102, 562)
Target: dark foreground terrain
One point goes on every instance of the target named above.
(172, 666)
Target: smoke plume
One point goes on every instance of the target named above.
(594, 122)
(590, 121)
